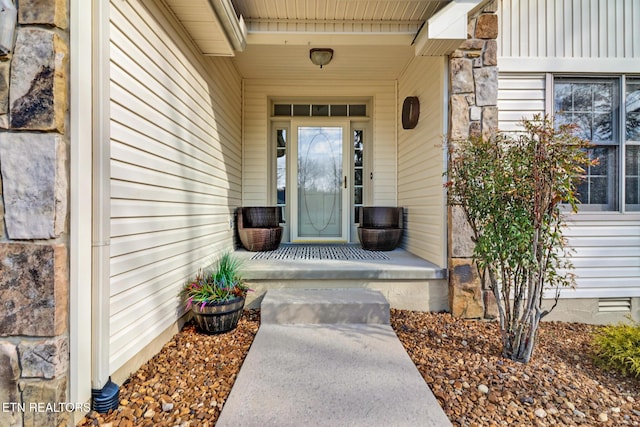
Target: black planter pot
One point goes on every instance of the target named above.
(218, 317)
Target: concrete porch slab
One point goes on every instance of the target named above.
(401, 265)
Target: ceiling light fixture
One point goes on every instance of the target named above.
(321, 56)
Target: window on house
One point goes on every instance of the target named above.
(320, 110)
(281, 167)
(358, 172)
(593, 104)
(632, 138)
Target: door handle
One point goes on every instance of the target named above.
(345, 181)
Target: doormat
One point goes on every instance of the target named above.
(320, 252)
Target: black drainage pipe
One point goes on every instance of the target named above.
(106, 398)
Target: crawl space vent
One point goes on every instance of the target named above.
(614, 305)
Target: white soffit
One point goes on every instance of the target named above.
(446, 30)
(336, 22)
(212, 24)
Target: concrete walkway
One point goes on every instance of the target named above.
(347, 368)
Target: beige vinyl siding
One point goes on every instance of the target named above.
(175, 170)
(520, 96)
(561, 35)
(607, 256)
(606, 246)
(420, 160)
(255, 169)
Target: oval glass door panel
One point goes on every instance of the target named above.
(320, 181)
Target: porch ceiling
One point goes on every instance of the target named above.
(371, 39)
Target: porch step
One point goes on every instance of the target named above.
(324, 306)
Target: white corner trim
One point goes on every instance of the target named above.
(101, 197)
(80, 201)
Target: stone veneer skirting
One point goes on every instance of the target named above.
(34, 265)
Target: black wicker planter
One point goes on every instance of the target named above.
(218, 317)
(380, 227)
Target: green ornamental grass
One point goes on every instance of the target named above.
(220, 283)
(618, 347)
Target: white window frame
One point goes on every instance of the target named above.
(620, 131)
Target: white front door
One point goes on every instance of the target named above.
(320, 157)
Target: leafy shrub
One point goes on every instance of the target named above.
(511, 188)
(618, 347)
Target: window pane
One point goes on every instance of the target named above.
(632, 106)
(339, 110)
(301, 109)
(357, 179)
(602, 127)
(632, 178)
(582, 100)
(583, 191)
(282, 110)
(603, 97)
(357, 140)
(602, 166)
(357, 160)
(357, 110)
(319, 110)
(281, 167)
(632, 161)
(563, 97)
(358, 171)
(282, 138)
(633, 127)
(599, 189)
(583, 121)
(633, 198)
(358, 196)
(591, 105)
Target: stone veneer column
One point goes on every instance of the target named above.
(473, 76)
(34, 266)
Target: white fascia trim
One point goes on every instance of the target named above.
(234, 27)
(450, 23)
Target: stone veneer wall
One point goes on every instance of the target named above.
(34, 278)
(473, 76)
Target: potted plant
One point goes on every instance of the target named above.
(216, 296)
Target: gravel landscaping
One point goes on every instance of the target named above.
(187, 383)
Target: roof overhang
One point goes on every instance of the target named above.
(212, 24)
(372, 39)
(447, 29)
